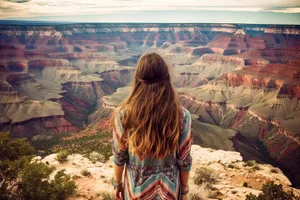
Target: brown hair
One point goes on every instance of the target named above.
(152, 111)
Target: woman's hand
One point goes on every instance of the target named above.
(119, 192)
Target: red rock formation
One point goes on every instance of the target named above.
(257, 62)
(100, 56)
(202, 51)
(40, 64)
(211, 58)
(55, 124)
(16, 79)
(17, 66)
(236, 79)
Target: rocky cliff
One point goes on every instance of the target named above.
(233, 178)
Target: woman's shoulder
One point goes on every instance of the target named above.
(186, 113)
(186, 118)
(119, 113)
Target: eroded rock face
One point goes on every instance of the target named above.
(241, 80)
(268, 94)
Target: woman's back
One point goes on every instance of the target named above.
(152, 136)
(148, 178)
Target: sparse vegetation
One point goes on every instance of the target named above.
(271, 191)
(95, 156)
(274, 170)
(62, 156)
(194, 196)
(245, 184)
(205, 175)
(85, 172)
(231, 166)
(23, 179)
(250, 163)
(107, 196)
(99, 142)
(256, 167)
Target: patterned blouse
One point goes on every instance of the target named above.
(154, 179)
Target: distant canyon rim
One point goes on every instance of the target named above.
(241, 82)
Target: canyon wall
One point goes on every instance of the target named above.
(241, 82)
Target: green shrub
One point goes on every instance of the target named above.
(24, 179)
(107, 196)
(62, 156)
(35, 183)
(14, 154)
(274, 170)
(245, 184)
(271, 191)
(99, 142)
(194, 196)
(231, 166)
(63, 186)
(205, 175)
(95, 156)
(250, 163)
(256, 168)
(85, 172)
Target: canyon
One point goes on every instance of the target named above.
(240, 82)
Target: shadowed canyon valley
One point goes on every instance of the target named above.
(240, 82)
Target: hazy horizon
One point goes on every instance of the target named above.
(143, 11)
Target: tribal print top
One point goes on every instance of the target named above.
(154, 179)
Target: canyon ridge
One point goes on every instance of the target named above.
(241, 82)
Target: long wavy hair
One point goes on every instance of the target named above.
(152, 112)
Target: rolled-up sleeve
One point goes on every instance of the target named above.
(120, 156)
(184, 158)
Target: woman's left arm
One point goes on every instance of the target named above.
(120, 157)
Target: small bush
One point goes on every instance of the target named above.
(256, 168)
(272, 191)
(245, 184)
(195, 196)
(95, 156)
(23, 178)
(62, 156)
(250, 163)
(85, 172)
(205, 175)
(274, 170)
(36, 183)
(107, 196)
(231, 166)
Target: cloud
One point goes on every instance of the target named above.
(293, 9)
(18, 1)
(12, 9)
(35, 8)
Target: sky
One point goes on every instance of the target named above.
(160, 11)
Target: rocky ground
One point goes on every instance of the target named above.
(234, 178)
